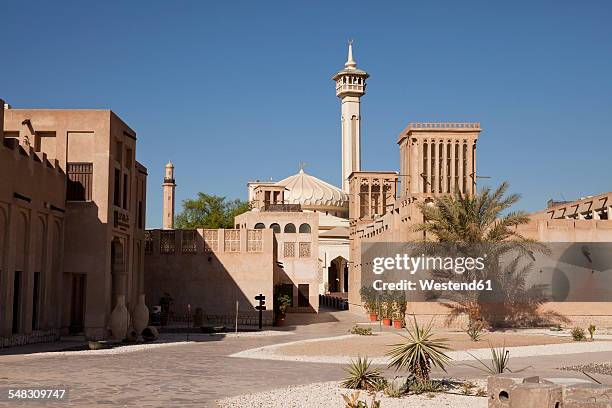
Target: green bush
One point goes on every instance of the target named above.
(362, 331)
(578, 334)
(426, 386)
(369, 299)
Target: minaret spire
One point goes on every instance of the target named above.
(350, 87)
(350, 62)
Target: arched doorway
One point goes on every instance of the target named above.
(337, 277)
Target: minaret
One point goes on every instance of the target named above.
(350, 87)
(169, 186)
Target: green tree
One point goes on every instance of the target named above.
(474, 218)
(210, 211)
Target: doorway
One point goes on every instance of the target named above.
(17, 302)
(77, 304)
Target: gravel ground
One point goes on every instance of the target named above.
(597, 368)
(329, 394)
(274, 352)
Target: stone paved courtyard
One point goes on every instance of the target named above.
(201, 372)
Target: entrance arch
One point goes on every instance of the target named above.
(337, 275)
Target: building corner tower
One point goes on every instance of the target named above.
(350, 87)
(169, 186)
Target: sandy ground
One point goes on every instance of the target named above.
(379, 343)
(329, 394)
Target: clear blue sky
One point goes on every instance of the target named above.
(232, 91)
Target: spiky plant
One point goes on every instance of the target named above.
(499, 364)
(474, 330)
(420, 352)
(592, 329)
(361, 376)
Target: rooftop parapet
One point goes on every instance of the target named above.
(439, 127)
(470, 126)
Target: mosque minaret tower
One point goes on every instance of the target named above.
(350, 87)
(169, 187)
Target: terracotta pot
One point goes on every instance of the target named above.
(386, 322)
(373, 317)
(397, 324)
(140, 316)
(119, 319)
(279, 320)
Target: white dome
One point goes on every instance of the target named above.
(311, 192)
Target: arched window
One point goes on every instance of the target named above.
(305, 229)
(290, 228)
(260, 225)
(275, 227)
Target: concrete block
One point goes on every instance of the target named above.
(536, 395)
(499, 387)
(587, 402)
(588, 390)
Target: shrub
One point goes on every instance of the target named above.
(352, 401)
(500, 359)
(281, 302)
(475, 331)
(467, 388)
(361, 376)
(420, 352)
(362, 331)
(394, 390)
(592, 329)
(578, 334)
(369, 299)
(426, 386)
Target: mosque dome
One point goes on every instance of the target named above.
(313, 193)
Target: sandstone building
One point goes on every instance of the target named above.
(72, 211)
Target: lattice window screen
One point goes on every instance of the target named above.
(211, 240)
(255, 240)
(232, 240)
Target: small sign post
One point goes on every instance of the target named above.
(261, 307)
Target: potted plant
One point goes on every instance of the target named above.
(165, 302)
(281, 303)
(368, 298)
(386, 309)
(400, 305)
(397, 320)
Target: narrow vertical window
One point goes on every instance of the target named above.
(117, 188)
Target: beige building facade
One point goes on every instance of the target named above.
(215, 270)
(94, 221)
(438, 159)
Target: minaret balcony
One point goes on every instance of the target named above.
(349, 89)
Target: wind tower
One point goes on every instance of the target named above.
(350, 87)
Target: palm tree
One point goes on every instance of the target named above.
(473, 218)
(481, 223)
